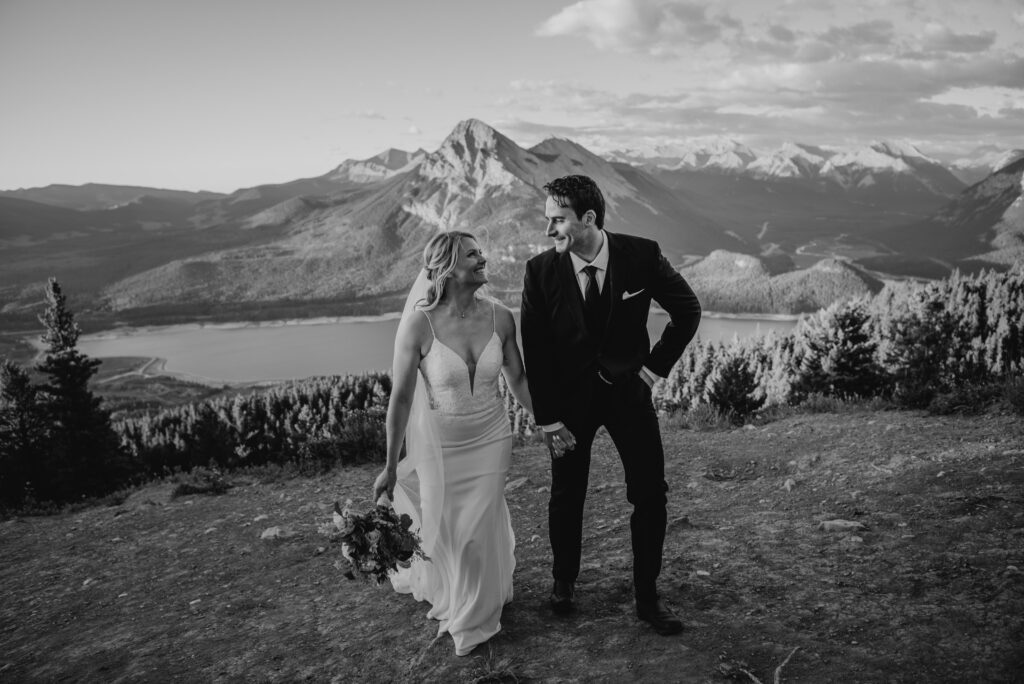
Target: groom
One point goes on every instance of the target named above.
(590, 363)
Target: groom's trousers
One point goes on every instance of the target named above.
(627, 412)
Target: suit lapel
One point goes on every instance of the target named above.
(571, 289)
(614, 278)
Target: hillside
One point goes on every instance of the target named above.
(929, 587)
(983, 218)
(91, 196)
(792, 212)
(368, 243)
(728, 282)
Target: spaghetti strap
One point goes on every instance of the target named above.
(494, 324)
(432, 333)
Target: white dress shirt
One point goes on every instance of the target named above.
(600, 262)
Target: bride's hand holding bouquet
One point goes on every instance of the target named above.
(377, 542)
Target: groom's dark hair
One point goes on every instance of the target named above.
(580, 193)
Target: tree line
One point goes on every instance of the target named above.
(915, 344)
(938, 345)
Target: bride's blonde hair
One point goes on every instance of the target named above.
(439, 259)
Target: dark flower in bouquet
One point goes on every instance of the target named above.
(376, 542)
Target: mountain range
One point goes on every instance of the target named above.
(350, 240)
(871, 168)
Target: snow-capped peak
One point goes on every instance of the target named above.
(901, 149)
(866, 158)
(990, 161)
(707, 152)
(791, 160)
(716, 152)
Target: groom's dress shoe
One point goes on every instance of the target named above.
(561, 597)
(659, 616)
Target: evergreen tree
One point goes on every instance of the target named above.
(83, 455)
(778, 376)
(837, 353)
(23, 434)
(917, 346)
(732, 388)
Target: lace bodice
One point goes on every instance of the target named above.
(448, 381)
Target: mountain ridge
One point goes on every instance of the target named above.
(356, 232)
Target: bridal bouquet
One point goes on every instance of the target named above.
(376, 542)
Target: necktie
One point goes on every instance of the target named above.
(592, 295)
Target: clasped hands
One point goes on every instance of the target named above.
(559, 441)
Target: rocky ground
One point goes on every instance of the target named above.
(860, 546)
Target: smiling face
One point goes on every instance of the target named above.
(470, 267)
(580, 236)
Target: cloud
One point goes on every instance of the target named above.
(987, 101)
(857, 37)
(656, 27)
(367, 114)
(939, 38)
(534, 95)
(816, 68)
(774, 111)
(413, 130)
(781, 34)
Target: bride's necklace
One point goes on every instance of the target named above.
(462, 312)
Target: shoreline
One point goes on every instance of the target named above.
(130, 331)
(119, 342)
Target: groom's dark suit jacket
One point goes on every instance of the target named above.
(557, 345)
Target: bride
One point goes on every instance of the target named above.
(450, 346)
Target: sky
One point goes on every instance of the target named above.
(224, 94)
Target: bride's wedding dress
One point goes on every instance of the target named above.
(456, 495)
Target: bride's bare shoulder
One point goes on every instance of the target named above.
(415, 329)
(503, 318)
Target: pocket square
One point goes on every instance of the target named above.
(630, 295)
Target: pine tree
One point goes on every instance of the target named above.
(732, 388)
(84, 457)
(838, 352)
(916, 348)
(23, 434)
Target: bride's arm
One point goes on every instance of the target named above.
(408, 345)
(512, 366)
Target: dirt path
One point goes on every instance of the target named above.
(931, 589)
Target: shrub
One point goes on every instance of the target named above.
(363, 437)
(704, 417)
(1013, 394)
(732, 389)
(816, 402)
(202, 481)
(966, 399)
(314, 424)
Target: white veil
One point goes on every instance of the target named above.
(420, 488)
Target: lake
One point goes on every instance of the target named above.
(299, 349)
